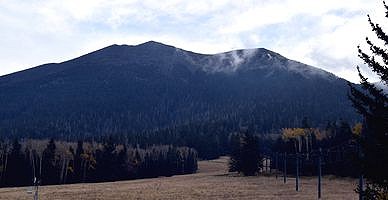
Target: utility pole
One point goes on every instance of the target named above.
(285, 168)
(297, 173)
(319, 172)
(268, 164)
(276, 164)
(36, 185)
(361, 185)
(361, 178)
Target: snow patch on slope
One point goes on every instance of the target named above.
(251, 59)
(307, 71)
(228, 62)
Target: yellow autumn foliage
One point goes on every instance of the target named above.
(292, 133)
(357, 129)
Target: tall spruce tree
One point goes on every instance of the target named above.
(78, 161)
(18, 167)
(235, 153)
(50, 174)
(372, 103)
(245, 158)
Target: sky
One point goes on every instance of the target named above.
(321, 33)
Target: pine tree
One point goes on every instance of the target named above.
(18, 167)
(122, 162)
(235, 153)
(250, 155)
(245, 156)
(107, 165)
(50, 172)
(372, 103)
(78, 161)
(71, 168)
(305, 123)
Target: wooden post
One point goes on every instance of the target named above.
(297, 173)
(361, 185)
(276, 165)
(361, 178)
(36, 185)
(319, 173)
(285, 168)
(269, 164)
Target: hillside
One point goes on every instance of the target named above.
(124, 89)
(211, 182)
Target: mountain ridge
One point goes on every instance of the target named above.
(153, 44)
(123, 88)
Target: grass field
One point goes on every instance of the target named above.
(211, 182)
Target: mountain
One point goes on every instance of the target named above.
(121, 89)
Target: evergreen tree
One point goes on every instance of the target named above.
(122, 162)
(18, 167)
(372, 103)
(235, 153)
(71, 168)
(78, 161)
(246, 157)
(107, 163)
(137, 161)
(305, 123)
(50, 172)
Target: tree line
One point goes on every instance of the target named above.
(248, 150)
(214, 138)
(66, 162)
(335, 144)
(147, 154)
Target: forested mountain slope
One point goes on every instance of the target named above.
(121, 89)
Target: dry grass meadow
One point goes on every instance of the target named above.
(211, 182)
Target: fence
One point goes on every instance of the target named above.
(338, 160)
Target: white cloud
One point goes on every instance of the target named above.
(323, 33)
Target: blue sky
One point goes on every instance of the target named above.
(322, 33)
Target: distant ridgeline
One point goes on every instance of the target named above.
(64, 162)
(124, 89)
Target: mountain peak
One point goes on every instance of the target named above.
(152, 43)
